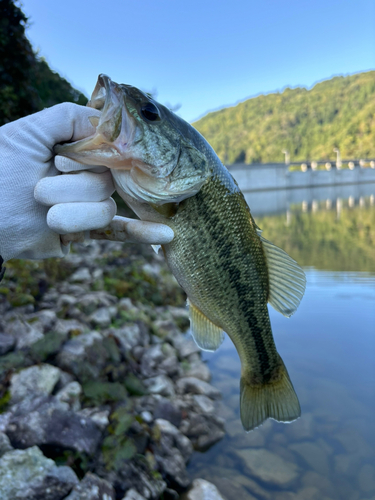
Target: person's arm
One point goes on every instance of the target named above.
(31, 226)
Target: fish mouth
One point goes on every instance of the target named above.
(115, 129)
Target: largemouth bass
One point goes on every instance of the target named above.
(167, 172)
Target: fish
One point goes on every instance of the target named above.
(167, 172)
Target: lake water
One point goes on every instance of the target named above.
(328, 346)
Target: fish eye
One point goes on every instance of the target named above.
(150, 112)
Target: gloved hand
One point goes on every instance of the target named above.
(30, 227)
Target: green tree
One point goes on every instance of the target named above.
(339, 112)
(27, 84)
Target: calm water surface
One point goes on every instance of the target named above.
(328, 347)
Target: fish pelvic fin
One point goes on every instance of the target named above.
(275, 399)
(206, 334)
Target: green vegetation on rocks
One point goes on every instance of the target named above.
(308, 123)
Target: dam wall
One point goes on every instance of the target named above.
(270, 176)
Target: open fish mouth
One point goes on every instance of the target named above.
(115, 129)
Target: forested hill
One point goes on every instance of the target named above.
(27, 84)
(308, 123)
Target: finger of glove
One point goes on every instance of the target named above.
(137, 231)
(64, 122)
(74, 217)
(79, 187)
(66, 165)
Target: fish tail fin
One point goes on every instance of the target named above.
(275, 399)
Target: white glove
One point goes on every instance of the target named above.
(79, 201)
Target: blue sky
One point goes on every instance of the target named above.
(203, 54)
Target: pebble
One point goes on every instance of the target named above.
(32, 381)
(161, 384)
(196, 386)
(26, 474)
(202, 490)
(268, 466)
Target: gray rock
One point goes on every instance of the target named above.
(161, 384)
(71, 394)
(25, 334)
(167, 329)
(173, 469)
(37, 380)
(84, 355)
(147, 417)
(101, 317)
(129, 336)
(7, 343)
(176, 438)
(81, 275)
(203, 429)
(126, 304)
(133, 494)
(47, 318)
(69, 326)
(46, 421)
(166, 410)
(204, 403)
(92, 487)
(4, 420)
(268, 467)
(205, 441)
(185, 346)
(100, 417)
(66, 300)
(4, 444)
(314, 455)
(92, 301)
(202, 490)
(29, 475)
(151, 360)
(196, 386)
(136, 474)
(200, 370)
(171, 366)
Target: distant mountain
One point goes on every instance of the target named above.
(308, 123)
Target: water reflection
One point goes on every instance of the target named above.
(328, 347)
(310, 199)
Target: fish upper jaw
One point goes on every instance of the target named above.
(116, 130)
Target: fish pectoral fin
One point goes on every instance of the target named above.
(287, 281)
(207, 336)
(156, 248)
(275, 399)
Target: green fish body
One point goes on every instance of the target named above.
(218, 255)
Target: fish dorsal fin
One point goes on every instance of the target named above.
(287, 281)
(206, 335)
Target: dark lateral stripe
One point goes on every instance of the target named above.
(217, 231)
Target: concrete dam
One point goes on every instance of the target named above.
(272, 188)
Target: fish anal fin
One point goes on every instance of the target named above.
(287, 281)
(207, 336)
(276, 399)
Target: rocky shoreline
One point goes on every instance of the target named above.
(102, 396)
